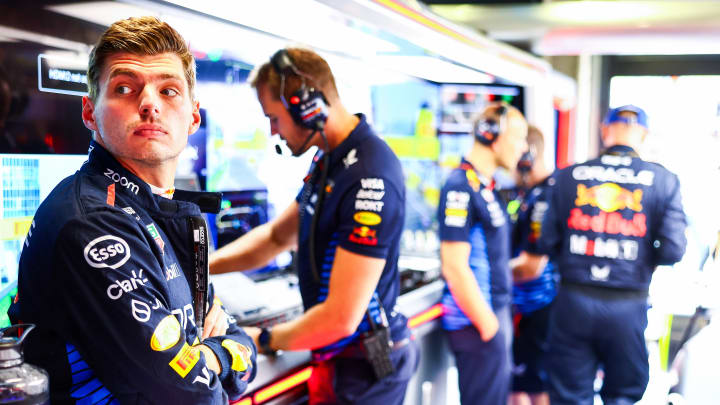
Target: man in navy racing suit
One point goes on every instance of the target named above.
(610, 222)
(109, 265)
(534, 278)
(475, 253)
(354, 198)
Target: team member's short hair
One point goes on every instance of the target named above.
(535, 138)
(309, 63)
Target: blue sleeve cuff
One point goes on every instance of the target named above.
(222, 356)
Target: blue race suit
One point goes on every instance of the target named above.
(610, 221)
(532, 298)
(363, 212)
(107, 275)
(470, 211)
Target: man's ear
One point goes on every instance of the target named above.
(88, 114)
(604, 134)
(197, 119)
(494, 146)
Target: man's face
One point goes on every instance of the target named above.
(510, 146)
(144, 111)
(281, 121)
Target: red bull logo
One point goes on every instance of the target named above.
(364, 236)
(364, 232)
(609, 223)
(609, 197)
(535, 230)
(241, 355)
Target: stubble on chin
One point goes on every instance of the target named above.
(154, 155)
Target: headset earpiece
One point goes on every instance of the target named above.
(488, 129)
(526, 162)
(307, 106)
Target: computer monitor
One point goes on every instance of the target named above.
(460, 103)
(405, 116)
(240, 212)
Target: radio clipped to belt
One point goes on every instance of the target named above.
(378, 344)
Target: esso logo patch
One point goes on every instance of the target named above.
(107, 251)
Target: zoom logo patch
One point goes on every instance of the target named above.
(123, 181)
(107, 251)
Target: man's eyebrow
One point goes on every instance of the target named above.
(122, 72)
(128, 72)
(170, 76)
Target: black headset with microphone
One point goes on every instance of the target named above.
(308, 107)
(488, 129)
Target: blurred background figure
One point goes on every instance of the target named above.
(475, 252)
(610, 222)
(534, 277)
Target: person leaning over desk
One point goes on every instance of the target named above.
(107, 273)
(346, 224)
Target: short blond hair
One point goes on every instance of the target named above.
(139, 36)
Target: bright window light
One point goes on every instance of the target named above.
(684, 136)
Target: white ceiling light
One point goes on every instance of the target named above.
(303, 21)
(433, 69)
(102, 12)
(202, 33)
(54, 42)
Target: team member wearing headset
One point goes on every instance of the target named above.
(535, 279)
(609, 222)
(346, 224)
(475, 251)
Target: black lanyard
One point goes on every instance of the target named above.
(201, 269)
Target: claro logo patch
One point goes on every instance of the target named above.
(107, 251)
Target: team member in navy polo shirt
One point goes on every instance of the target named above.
(610, 222)
(108, 273)
(475, 251)
(346, 224)
(534, 278)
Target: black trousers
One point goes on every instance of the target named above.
(591, 328)
(484, 367)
